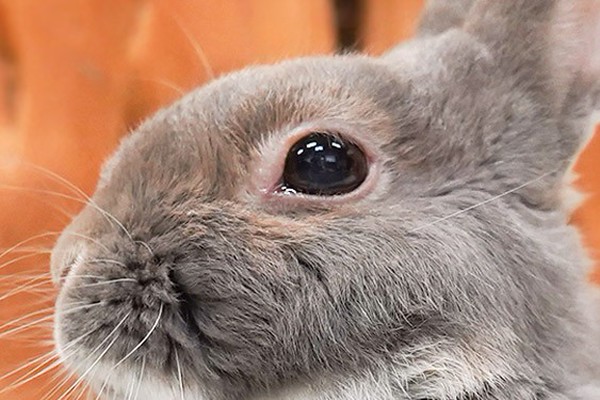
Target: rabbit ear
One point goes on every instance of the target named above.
(551, 46)
(441, 15)
(517, 80)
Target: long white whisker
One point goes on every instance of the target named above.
(42, 191)
(107, 261)
(140, 344)
(42, 360)
(28, 240)
(145, 339)
(17, 259)
(65, 380)
(93, 365)
(20, 328)
(37, 321)
(163, 82)
(88, 238)
(107, 282)
(40, 370)
(491, 199)
(24, 277)
(200, 53)
(47, 357)
(83, 391)
(87, 198)
(43, 368)
(40, 250)
(24, 288)
(25, 317)
(179, 375)
(58, 178)
(142, 371)
(130, 389)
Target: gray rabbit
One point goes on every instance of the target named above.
(352, 227)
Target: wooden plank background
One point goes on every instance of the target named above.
(76, 75)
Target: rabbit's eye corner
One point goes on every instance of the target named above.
(323, 164)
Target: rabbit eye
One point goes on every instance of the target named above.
(324, 165)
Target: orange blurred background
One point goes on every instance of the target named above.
(76, 75)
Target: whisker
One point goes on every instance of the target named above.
(146, 246)
(130, 353)
(491, 199)
(130, 389)
(24, 288)
(107, 282)
(179, 374)
(66, 378)
(26, 326)
(37, 321)
(17, 259)
(23, 276)
(86, 199)
(86, 276)
(32, 375)
(99, 358)
(200, 53)
(170, 85)
(28, 240)
(91, 239)
(83, 391)
(107, 261)
(42, 191)
(145, 339)
(45, 357)
(142, 371)
(56, 177)
(24, 317)
(45, 368)
(42, 250)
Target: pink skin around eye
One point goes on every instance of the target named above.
(267, 175)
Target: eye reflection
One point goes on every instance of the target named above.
(324, 165)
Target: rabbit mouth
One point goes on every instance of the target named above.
(113, 315)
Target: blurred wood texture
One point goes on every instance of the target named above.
(76, 75)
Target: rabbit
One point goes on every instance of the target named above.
(350, 226)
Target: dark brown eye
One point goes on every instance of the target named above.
(324, 165)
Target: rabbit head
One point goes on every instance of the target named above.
(350, 227)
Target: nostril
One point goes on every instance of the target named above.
(62, 263)
(156, 259)
(134, 266)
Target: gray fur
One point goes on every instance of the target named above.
(394, 295)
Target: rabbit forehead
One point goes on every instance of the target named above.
(211, 132)
(207, 138)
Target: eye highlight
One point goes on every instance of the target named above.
(323, 164)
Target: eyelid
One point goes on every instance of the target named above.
(270, 161)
